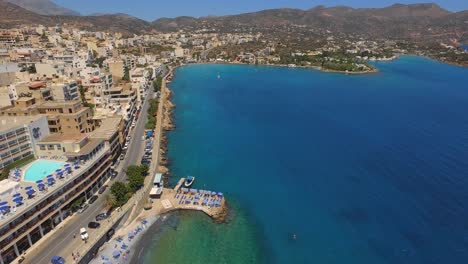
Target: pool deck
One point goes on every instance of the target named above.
(28, 166)
(41, 195)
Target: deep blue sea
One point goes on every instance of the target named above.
(361, 168)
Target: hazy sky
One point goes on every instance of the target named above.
(152, 9)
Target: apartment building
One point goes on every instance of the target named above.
(62, 116)
(18, 136)
(65, 90)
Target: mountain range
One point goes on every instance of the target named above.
(44, 7)
(419, 22)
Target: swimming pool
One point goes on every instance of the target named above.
(41, 168)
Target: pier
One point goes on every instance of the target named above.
(211, 203)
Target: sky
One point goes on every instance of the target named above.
(153, 9)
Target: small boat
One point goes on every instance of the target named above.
(189, 181)
(219, 76)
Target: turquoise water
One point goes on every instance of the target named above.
(363, 169)
(41, 168)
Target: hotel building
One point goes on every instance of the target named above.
(24, 224)
(18, 136)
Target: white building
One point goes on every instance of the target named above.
(18, 136)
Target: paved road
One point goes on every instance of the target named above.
(62, 241)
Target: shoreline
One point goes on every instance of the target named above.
(317, 68)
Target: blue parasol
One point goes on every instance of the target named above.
(18, 200)
(30, 192)
(50, 176)
(39, 181)
(116, 254)
(16, 195)
(28, 187)
(3, 203)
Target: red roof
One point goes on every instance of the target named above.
(35, 85)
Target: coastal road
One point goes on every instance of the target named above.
(62, 241)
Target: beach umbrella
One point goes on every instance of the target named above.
(30, 192)
(28, 187)
(116, 254)
(131, 235)
(67, 165)
(39, 181)
(213, 193)
(18, 200)
(16, 195)
(3, 203)
(4, 208)
(220, 194)
(50, 176)
(57, 170)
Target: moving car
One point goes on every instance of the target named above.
(57, 260)
(94, 225)
(102, 189)
(101, 216)
(92, 199)
(83, 208)
(84, 233)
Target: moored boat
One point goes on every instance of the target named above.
(189, 181)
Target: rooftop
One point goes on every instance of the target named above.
(64, 137)
(108, 128)
(10, 122)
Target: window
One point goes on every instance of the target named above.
(42, 147)
(50, 147)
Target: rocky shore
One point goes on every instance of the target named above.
(167, 125)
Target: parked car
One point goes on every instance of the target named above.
(102, 216)
(94, 225)
(102, 189)
(83, 208)
(110, 233)
(92, 199)
(84, 234)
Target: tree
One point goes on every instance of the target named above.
(126, 76)
(120, 193)
(135, 182)
(111, 201)
(144, 169)
(157, 84)
(135, 177)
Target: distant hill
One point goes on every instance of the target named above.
(14, 15)
(44, 7)
(417, 22)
